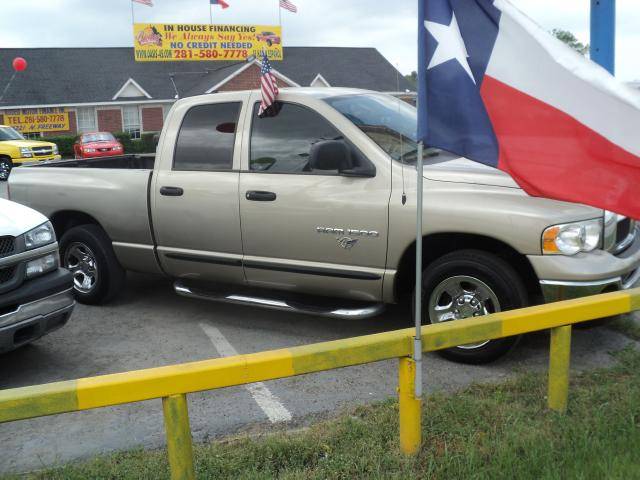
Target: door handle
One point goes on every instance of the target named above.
(259, 196)
(171, 191)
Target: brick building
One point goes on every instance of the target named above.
(105, 89)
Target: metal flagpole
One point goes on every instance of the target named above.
(210, 13)
(417, 340)
(133, 18)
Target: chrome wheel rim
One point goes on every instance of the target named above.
(5, 169)
(460, 297)
(81, 262)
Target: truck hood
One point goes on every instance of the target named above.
(16, 219)
(26, 143)
(449, 168)
(446, 167)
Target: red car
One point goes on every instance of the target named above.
(97, 144)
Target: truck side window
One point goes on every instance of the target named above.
(281, 144)
(206, 137)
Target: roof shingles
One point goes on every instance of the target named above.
(94, 75)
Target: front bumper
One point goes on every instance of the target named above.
(17, 161)
(37, 308)
(111, 153)
(554, 291)
(564, 278)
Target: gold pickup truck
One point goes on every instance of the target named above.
(313, 209)
(15, 150)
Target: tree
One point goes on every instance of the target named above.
(571, 40)
(412, 78)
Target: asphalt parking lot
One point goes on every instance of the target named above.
(150, 326)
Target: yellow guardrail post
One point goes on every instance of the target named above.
(410, 427)
(179, 447)
(559, 359)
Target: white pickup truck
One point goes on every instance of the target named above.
(35, 293)
(313, 210)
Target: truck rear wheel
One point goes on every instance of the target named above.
(5, 168)
(87, 253)
(467, 284)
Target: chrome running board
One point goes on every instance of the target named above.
(365, 310)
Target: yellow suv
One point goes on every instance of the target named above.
(15, 150)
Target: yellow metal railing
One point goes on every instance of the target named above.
(172, 383)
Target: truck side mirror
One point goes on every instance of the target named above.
(330, 155)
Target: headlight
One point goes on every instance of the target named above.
(25, 152)
(89, 150)
(42, 265)
(572, 238)
(55, 150)
(39, 236)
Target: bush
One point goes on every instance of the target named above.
(125, 139)
(64, 143)
(145, 145)
(148, 142)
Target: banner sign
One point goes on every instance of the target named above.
(38, 120)
(156, 42)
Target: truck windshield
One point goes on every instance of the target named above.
(8, 133)
(388, 121)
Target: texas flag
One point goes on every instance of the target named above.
(496, 88)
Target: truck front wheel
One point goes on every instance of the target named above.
(468, 284)
(87, 253)
(5, 168)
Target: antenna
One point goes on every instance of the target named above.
(404, 193)
(173, 82)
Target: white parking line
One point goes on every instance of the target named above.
(266, 400)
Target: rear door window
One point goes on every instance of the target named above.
(207, 137)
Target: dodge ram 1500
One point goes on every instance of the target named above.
(313, 210)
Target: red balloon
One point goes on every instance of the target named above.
(19, 64)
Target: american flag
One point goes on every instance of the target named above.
(288, 5)
(148, 3)
(222, 3)
(268, 86)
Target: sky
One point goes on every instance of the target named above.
(388, 26)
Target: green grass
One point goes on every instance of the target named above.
(628, 325)
(484, 432)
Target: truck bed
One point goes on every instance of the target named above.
(110, 191)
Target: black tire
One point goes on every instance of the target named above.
(6, 165)
(269, 42)
(109, 275)
(495, 273)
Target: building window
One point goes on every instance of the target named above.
(131, 121)
(32, 135)
(87, 120)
